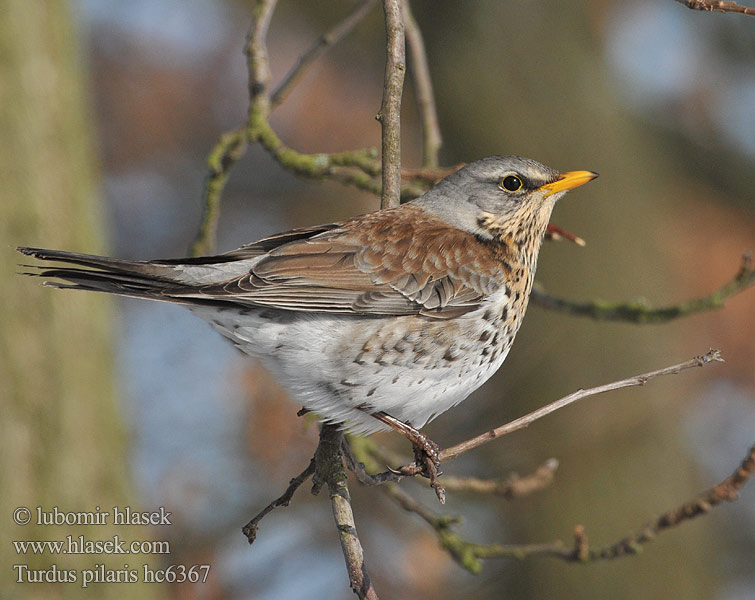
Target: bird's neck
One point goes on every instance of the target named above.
(517, 239)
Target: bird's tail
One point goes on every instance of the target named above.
(103, 274)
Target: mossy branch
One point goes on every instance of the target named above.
(469, 555)
(230, 148)
(360, 168)
(640, 312)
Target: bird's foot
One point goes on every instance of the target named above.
(426, 453)
(426, 458)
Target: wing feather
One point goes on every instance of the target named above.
(371, 265)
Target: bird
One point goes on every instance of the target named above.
(382, 321)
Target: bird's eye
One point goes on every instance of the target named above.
(510, 183)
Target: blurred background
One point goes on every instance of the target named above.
(107, 112)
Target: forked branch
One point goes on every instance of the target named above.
(469, 555)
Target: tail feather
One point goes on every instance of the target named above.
(110, 275)
(100, 262)
(103, 281)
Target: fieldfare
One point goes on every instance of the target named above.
(385, 320)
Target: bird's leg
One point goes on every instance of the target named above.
(426, 451)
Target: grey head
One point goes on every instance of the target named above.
(500, 188)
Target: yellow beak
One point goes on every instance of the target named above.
(568, 181)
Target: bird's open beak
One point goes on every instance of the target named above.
(568, 181)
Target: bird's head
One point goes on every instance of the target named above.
(501, 194)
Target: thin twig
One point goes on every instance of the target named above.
(468, 555)
(526, 420)
(510, 488)
(330, 471)
(727, 490)
(390, 109)
(364, 454)
(232, 145)
(326, 41)
(717, 6)
(250, 529)
(358, 467)
(641, 312)
(258, 64)
(423, 89)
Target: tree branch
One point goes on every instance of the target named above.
(727, 490)
(229, 149)
(326, 468)
(250, 529)
(326, 41)
(527, 420)
(232, 145)
(468, 555)
(717, 6)
(510, 488)
(330, 471)
(639, 312)
(258, 64)
(423, 89)
(390, 109)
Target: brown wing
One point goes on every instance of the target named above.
(396, 262)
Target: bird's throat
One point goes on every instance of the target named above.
(516, 241)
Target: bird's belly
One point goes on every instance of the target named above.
(340, 366)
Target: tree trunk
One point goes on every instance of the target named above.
(61, 439)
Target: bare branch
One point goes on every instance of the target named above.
(423, 89)
(258, 64)
(250, 529)
(469, 555)
(364, 454)
(641, 312)
(232, 145)
(408, 470)
(326, 468)
(326, 41)
(526, 420)
(390, 109)
(359, 168)
(509, 488)
(717, 6)
(727, 490)
(330, 471)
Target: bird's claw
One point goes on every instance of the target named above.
(426, 458)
